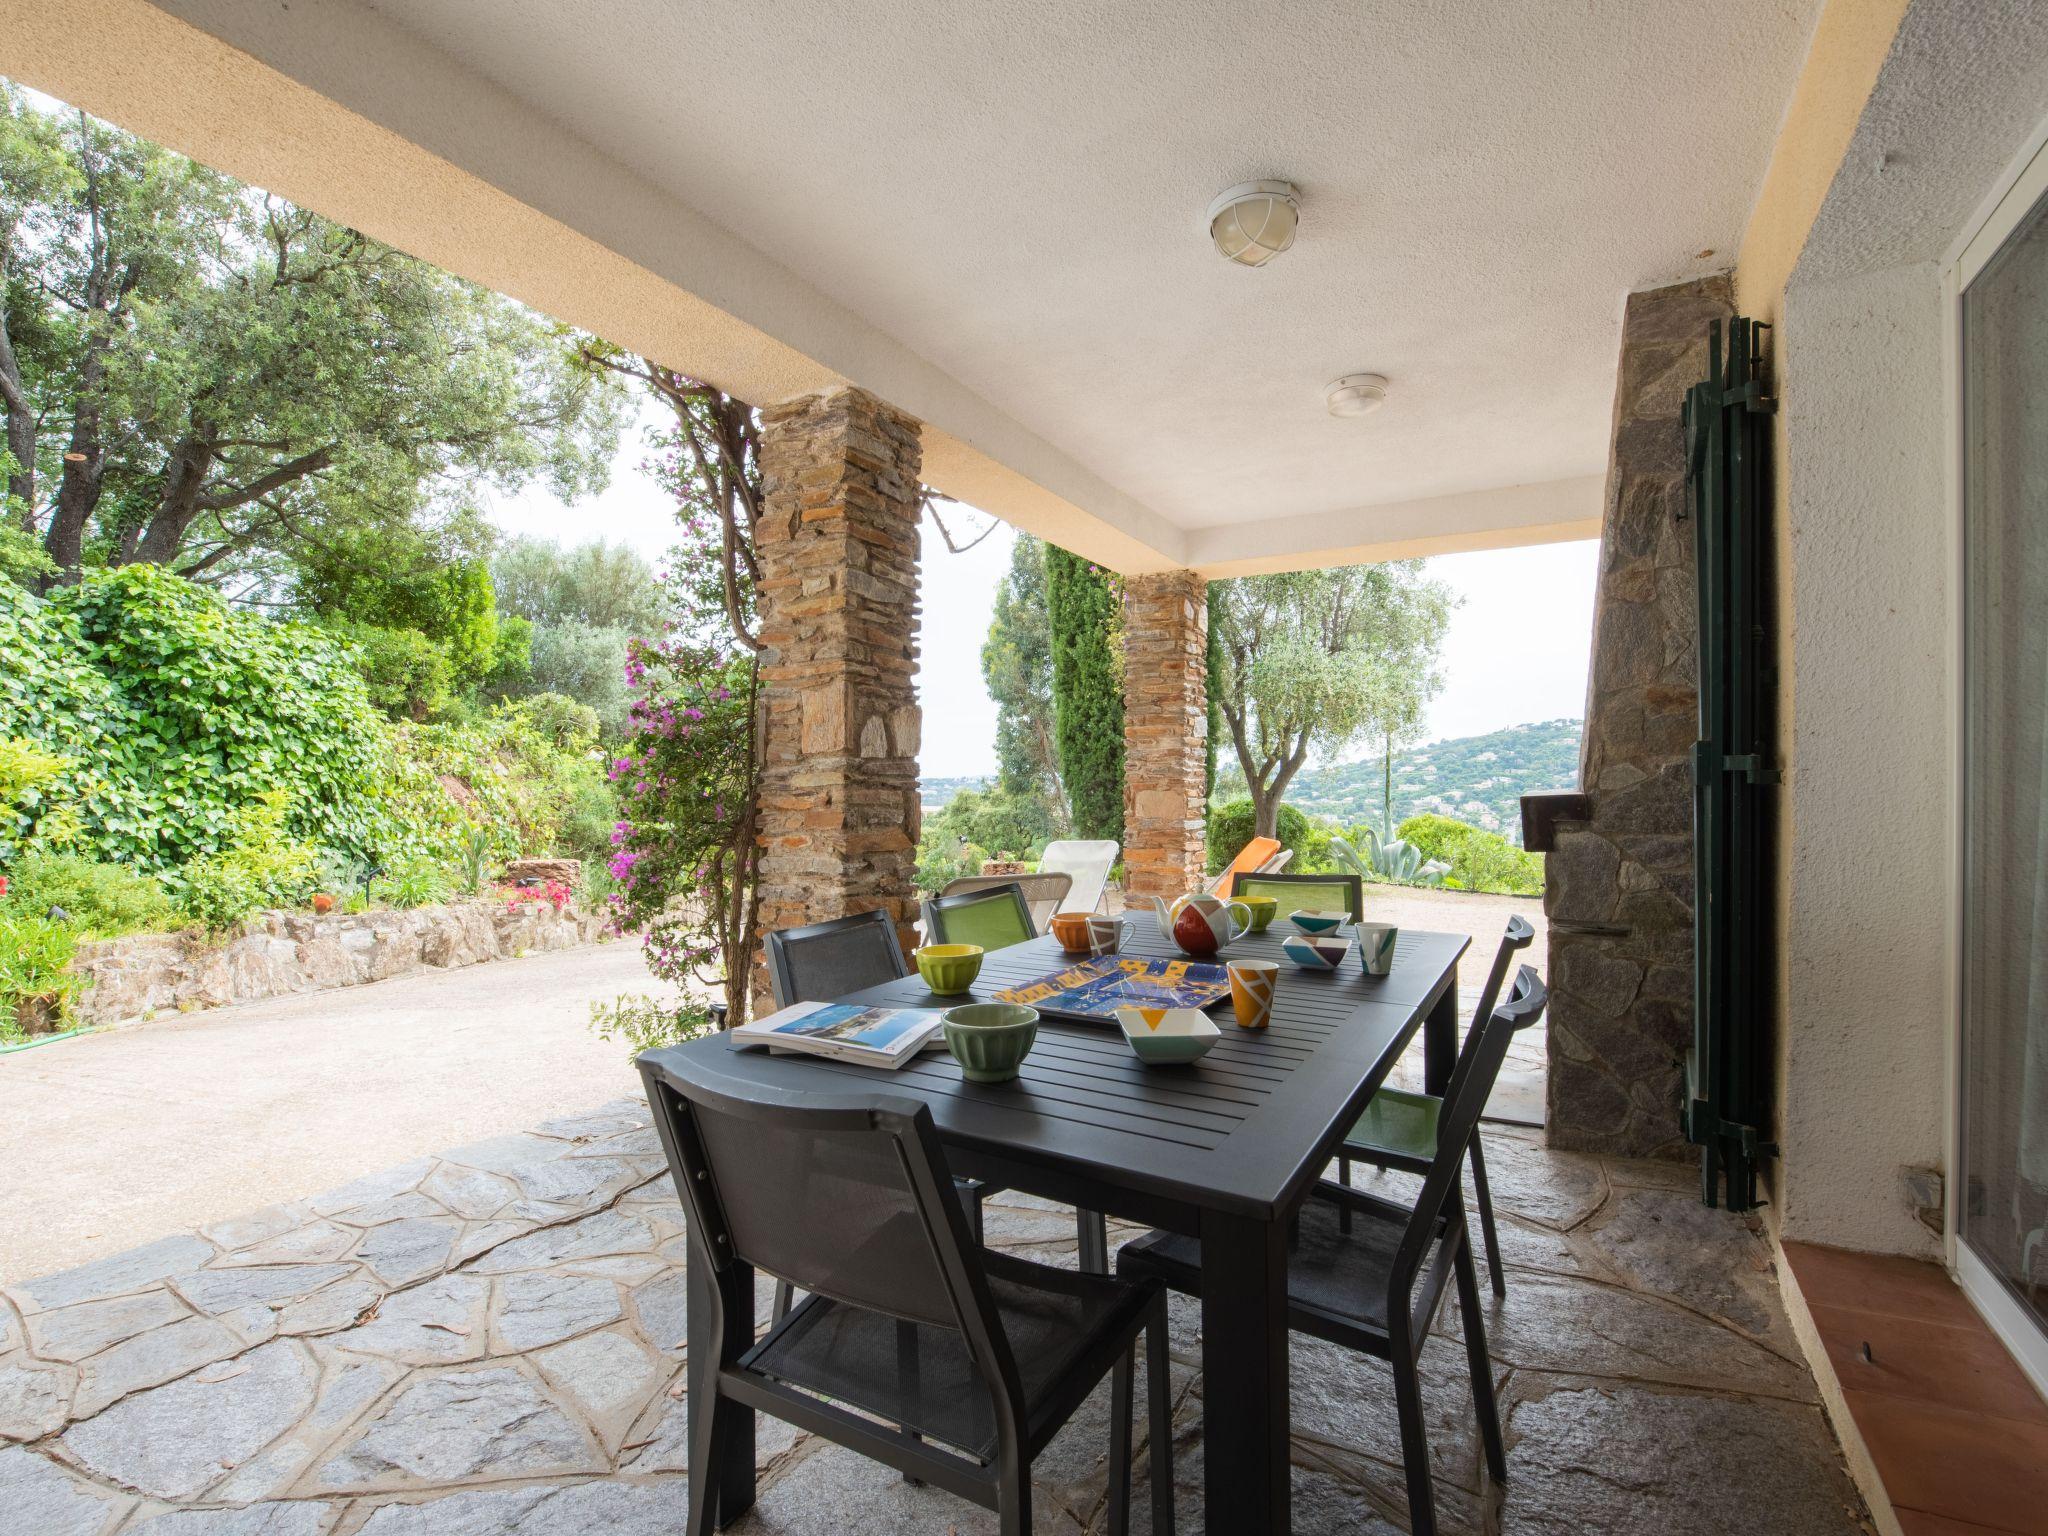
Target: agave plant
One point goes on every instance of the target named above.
(1389, 859)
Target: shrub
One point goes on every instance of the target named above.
(99, 900)
(219, 895)
(36, 979)
(416, 880)
(407, 674)
(557, 719)
(1230, 828)
(581, 661)
(645, 1024)
(1480, 860)
(942, 858)
(262, 866)
(996, 819)
(26, 774)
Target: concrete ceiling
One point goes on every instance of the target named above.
(992, 214)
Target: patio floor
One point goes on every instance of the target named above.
(489, 1341)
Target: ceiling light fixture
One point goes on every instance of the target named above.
(1356, 394)
(1255, 221)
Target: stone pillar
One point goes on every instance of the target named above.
(1166, 732)
(837, 545)
(1618, 885)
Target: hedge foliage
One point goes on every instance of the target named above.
(1230, 828)
(1480, 860)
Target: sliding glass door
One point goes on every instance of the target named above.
(2002, 1199)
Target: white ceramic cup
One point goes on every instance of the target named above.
(1376, 947)
(1106, 934)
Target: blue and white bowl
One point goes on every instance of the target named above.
(1316, 953)
(1318, 922)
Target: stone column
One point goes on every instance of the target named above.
(838, 546)
(1618, 885)
(1166, 732)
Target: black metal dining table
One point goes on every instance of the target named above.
(1223, 1149)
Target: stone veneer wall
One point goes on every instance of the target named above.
(1166, 732)
(290, 952)
(1618, 886)
(837, 544)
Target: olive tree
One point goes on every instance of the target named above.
(1315, 661)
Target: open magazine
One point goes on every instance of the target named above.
(877, 1037)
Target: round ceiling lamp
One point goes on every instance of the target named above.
(1255, 221)
(1356, 394)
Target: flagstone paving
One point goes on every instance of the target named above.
(491, 1341)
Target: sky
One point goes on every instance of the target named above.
(1515, 652)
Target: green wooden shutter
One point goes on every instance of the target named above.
(1727, 420)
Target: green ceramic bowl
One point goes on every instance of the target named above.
(949, 968)
(990, 1040)
(1264, 910)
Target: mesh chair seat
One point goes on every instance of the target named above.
(1331, 1272)
(1397, 1126)
(995, 921)
(921, 1377)
(823, 961)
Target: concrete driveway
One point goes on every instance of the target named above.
(118, 1138)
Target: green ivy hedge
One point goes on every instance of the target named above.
(170, 716)
(175, 711)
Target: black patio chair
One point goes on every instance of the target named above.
(1314, 893)
(1399, 1129)
(821, 962)
(1369, 1274)
(971, 1360)
(995, 917)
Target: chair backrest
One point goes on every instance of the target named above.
(1471, 1086)
(1518, 937)
(1253, 856)
(1311, 893)
(1043, 893)
(1088, 862)
(845, 1196)
(995, 918)
(821, 962)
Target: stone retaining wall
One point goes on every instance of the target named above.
(287, 952)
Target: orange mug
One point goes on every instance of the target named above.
(1251, 992)
(1071, 929)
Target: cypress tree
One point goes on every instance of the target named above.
(1212, 667)
(1087, 690)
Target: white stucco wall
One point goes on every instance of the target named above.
(1863, 964)
(1862, 1050)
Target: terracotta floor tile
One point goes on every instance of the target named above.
(1967, 1466)
(1965, 1368)
(1869, 1282)
(1916, 1522)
